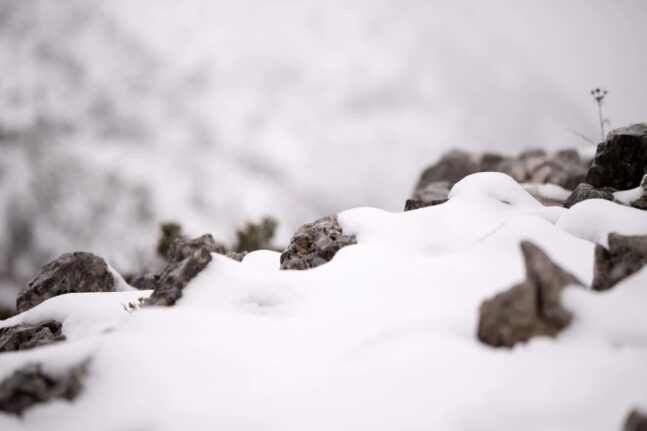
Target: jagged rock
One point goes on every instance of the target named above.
(186, 259)
(452, 167)
(586, 191)
(70, 273)
(626, 255)
(636, 421)
(528, 309)
(145, 282)
(181, 248)
(315, 244)
(23, 337)
(641, 202)
(620, 161)
(29, 385)
(435, 191)
(412, 204)
(236, 255)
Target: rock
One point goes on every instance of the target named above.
(452, 167)
(181, 248)
(626, 255)
(528, 309)
(23, 337)
(145, 282)
(636, 421)
(641, 202)
(186, 259)
(29, 386)
(412, 204)
(70, 273)
(236, 255)
(315, 244)
(256, 236)
(620, 161)
(586, 191)
(437, 190)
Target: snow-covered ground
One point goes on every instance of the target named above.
(383, 337)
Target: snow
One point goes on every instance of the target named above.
(383, 337)
(548, 191)
(627, 196)
(595, 219)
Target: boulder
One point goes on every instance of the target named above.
(586, 191)
(315, 244)
(620, 161)
(70, 273)
(23, 337)
(626, 255)
(412, 204)
(641, 202)
(187, 258)
(636, 421)
(435, 191)
(30, 385)
(528, 309)
(452, 167)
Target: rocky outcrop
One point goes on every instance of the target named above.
(586, 191)
(315, 244)
(70, 273)
(186, 259)
(30, 385)
(564, 168)
(626, 255)
(23, 337)
(412, 204)
(528, 309)
(451, 168)
(636, 421)
(620, 161)
(641, 202)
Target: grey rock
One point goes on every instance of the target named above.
(636, 421)
(620, 161)
(145, 282)
(30, 385)
(23, 337)
(236, 255)
(412, 204)
(315, 244)
(626, 255)
(437, 190)
(452, 167)
(641, 202)
(528, 309)
(586, 191)
(70, 273)
(187, 258)
(181, 248)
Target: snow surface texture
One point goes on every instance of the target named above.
(383, 337)
(118, 114)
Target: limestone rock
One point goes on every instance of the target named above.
(30, 385)
(626, 255)
(23, 337)
(186, 259)
(620, 161)
(586, 191)
(452, 167)
(70, 273)
(315, 244)
(636, 421)
(412, 204)
(528, 309)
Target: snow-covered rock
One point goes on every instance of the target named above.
(383, 336)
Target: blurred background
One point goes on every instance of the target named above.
(117, 115)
